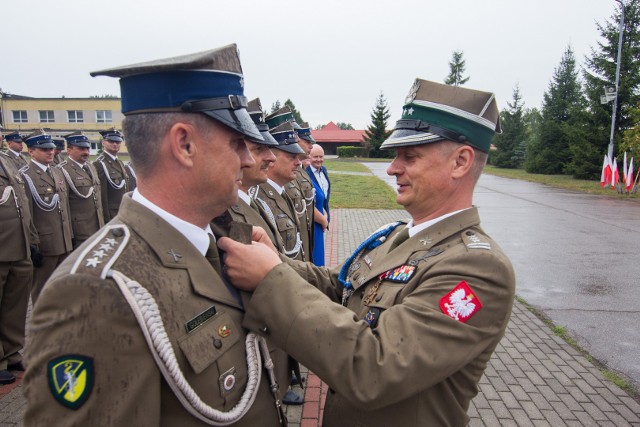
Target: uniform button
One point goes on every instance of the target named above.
(117, 232)
(265, 330)
(469, 233)
(217, 343)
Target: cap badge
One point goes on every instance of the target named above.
(412, 93)
(461, 303)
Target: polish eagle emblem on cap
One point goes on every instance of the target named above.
(412, 92)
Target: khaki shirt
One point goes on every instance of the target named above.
(80, 312)
(396, 358)
(86, 212)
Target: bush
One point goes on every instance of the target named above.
(350, 151)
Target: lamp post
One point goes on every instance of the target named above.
(615, 101)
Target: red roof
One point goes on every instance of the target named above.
(332, 133)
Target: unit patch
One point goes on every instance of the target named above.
(461, 303)
(70, 379)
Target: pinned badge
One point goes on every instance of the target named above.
(461, 303)
(227, 380)
(224, 331)
(70, 379)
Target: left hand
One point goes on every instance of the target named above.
(247, 265)
(260, 235)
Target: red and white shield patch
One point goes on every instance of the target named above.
(461, 303)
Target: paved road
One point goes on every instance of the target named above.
(577, 258)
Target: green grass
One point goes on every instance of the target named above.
(361, 192)
(561, 332)
(559, 181)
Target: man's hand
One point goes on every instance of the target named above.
(36, 256)
(261, 236)
(247, 265)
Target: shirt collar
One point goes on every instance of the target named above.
(275, 186)
(110, 155)
(244, 196)
(40, 165)
(15, 152)
(199, 237)
(415, 229)
(78, 163)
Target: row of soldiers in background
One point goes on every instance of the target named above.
(277, 194)
(48, 207)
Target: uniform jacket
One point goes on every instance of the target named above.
(282, 218)
(16, 226)
(112, 174)
(312, 175)
(18, 161)
(81, 313)
(133, 180)
(86, 212)
(300, 207)
(242, 212)
(308, 193)
(399, 360)
(53, 226)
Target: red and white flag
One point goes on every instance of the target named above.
(605, 177)
(615, 175)
(629, 182)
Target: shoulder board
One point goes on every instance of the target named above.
(100, 157)
(61, 164)
(473, 240)
(5, 154)
(98, 258)
(24, 169)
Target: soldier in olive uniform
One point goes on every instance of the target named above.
(14, 149)
(303, 180)
(133, 180)
(47, 189)
(138, 327)
(58, 155)
(299, 190)
(278, 208)
(112, 173)
(419, 308)
(16, 270)
(85, 200)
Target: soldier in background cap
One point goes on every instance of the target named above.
(58, 156)
(112, 173)
(16, 270)
(91, 356)
(280, 210)
(418, 309)
(14, 149)
(85, 200)
(50, 200)
(305, 184)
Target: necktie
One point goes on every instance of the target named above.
(49, 173)
(213, 256)
(253, 205)
(400, 237)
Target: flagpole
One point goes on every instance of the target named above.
(615, 101)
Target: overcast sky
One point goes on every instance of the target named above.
(331, 58)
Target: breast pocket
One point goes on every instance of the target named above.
(386, 296)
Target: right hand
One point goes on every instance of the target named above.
(247, 265)
(36, 256)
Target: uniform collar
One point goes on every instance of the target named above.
(40, 165)
(415, 229)
(199, 237)
(15, 153)
(275, 186)
(244, 196)
(110, 155)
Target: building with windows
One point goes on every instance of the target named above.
(60, 116)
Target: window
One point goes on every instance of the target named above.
(104, 116)
(75, 116)
(46, 116)
(19, 116)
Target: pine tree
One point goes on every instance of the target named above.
(600, 73)
(275, 106)
(344, 126)
(510, 144)
(561, 123)
(456, 70)
(376, 133)
(296, 114)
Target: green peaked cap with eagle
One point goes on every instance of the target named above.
(436, 112)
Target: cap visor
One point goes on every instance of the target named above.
(238, 120)
(406, 137)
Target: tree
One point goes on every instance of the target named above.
(275, 106)
(456, 70)
(561, 122)
(344, 126)
(600, 73)
(376, 133)
(296, 114)
(510, 144)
